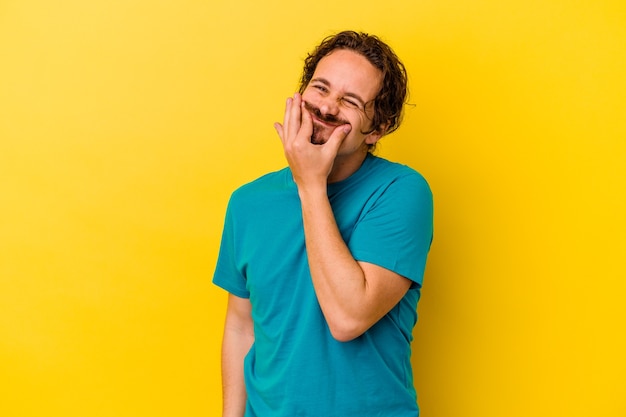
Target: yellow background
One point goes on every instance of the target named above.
(125, 125)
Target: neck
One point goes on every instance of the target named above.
(343, 167)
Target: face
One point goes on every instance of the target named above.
(342, 91)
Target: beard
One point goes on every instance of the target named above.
(321, 133)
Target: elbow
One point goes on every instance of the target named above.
(346, 330)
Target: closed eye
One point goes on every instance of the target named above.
(351, 103)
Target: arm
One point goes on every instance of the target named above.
(352, 295)
(238, 337)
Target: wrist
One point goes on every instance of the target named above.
(312, 191)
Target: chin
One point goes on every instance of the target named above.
(320, 135)
(315, 140)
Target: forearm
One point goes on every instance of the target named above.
(339, 281)
(238, 338)
(234, 348)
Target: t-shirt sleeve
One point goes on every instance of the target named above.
(397, 230)
(227, 274)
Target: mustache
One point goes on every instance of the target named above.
(327, 118)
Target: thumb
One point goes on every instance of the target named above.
(336, 138)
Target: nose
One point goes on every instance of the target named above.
(329, 105)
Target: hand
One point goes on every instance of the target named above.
(310, 164)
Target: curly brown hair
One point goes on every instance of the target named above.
(389, 102)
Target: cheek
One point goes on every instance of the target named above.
(358, 121)
(309, 96)
(308, 99)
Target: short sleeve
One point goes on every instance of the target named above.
(227, 274)
(397, 230)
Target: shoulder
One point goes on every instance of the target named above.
(397, 176)
(273, 181)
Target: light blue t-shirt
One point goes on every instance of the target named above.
(295, 367)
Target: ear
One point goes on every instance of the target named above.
(375, 136)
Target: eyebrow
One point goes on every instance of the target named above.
(347, 94)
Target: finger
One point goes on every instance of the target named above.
(337, 137)
(294, 116)
(306, 124)
(279, 130)
(286, 117)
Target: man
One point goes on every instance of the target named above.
(324, 260)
